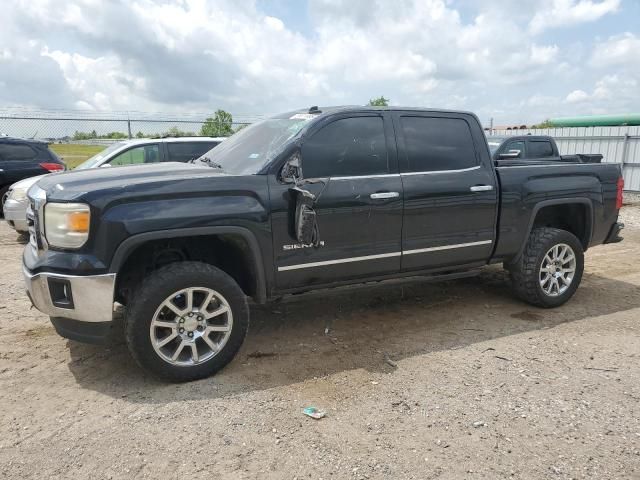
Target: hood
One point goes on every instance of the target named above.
(83, 184)
(25, 183)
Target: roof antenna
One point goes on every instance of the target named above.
(315, 109)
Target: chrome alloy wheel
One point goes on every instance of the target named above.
(557, 270)
(191, 326)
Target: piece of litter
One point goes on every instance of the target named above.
(390, 362)
(313, 412)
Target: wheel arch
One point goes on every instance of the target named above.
(547, 205)
(258, 288)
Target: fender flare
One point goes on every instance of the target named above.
(559, 201)
(130, 244)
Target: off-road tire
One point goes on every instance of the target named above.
(154, 290)
(526, 270)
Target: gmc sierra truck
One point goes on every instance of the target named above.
(304, 200)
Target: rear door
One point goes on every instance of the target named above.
(450, 194)
(19, 160)
(359, 205)
(185, 151)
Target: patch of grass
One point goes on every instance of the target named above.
(73, 154)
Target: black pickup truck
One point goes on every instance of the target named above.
(534, 149)
(304, 200)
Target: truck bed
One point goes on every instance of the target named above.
(526, 186)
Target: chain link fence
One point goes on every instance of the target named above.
(59, 126)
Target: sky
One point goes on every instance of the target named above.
(514, 61)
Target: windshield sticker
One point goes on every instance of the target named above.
(302, 116)
(254, 155)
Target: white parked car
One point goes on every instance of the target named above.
(128, 152)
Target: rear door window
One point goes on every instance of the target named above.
(185, 151)
(346, 147)
(137, 155)
(435, 144)
(16, 151)
(540, 149)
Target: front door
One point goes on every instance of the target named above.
(450, 191)
(359, 205)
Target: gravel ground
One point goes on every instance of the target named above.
(419, 380)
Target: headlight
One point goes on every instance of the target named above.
(18, 194)
(66, 225)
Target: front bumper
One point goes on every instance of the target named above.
(86, 299)
(15, 213)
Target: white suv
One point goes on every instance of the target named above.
(128, 152)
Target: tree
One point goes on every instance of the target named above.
(220, 125)
(115, 135)
(139, 135)
(379, 102)
(176, 132)
(545, 124)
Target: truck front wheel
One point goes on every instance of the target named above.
(186, 321)
(550, 268)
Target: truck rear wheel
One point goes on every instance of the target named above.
(186, 321)
(550, 268)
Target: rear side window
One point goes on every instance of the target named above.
(137, 155)
(185, 151)
(540, 149)
(16, 151)
(347, 147)
(435, 144)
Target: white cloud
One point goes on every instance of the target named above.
(543, 55)
(618, 49)
(564, 13)
(577, 96)
(610, 94)
(200, 55)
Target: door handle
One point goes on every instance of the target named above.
(377, 196)
(481, 188)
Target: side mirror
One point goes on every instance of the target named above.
(509, 154)
(292, 170)
(306, 226)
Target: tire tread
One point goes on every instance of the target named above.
(136, 324)
(524, 273)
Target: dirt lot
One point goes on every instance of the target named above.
(483, 386)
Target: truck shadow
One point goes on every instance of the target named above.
(369, 328)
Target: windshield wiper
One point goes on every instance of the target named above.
(207, 161)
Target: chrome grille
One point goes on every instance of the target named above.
(35, 211)
(31, 223)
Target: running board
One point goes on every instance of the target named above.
(399, 280)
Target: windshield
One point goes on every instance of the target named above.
(248, 150)
(494, 143)
(97, 159)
